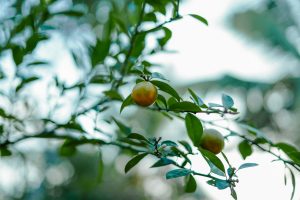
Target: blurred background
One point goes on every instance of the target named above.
(250, 50)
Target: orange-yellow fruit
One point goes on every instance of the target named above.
(212, 140)
(144, 93)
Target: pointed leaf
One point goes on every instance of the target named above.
(134, 161)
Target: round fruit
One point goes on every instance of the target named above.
(144, 93)
(212, 140)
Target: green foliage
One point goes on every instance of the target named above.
(115, 59)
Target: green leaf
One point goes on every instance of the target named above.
(4, 151)
(134, 161)
(201, 19)
(233, 193)
(215, 169)
(227, 101)
(169, 143)
(187, 146)
(128, 101)
(162, 99)
(68, 148)
(293, 184)
(178, 173)
(100, 167)
(245, 149)
(191, 184)
(99, 52)
(123, 128)
(171, 101)
(137, 136)
(168, 35)
(184, 106)
(213, 158)
(18, 54)
(194, 128)
(291, 151)
(70, 13)
(163, 162)
(219, 183)
(247, 165)
(196, 98)
(163, 86)
(113, 94)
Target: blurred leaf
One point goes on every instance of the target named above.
(227, 101)
(18, 54)
(70, 13)
(163, 162)
(100, 79)
(150, 17)
(177, 173)
(99, 52)
(166, 88)
(293, 184)
(137, 136)
(128, 101)
(194, 128)
(123, 128)
(245, 149)
(247, 165)
(134, 161)
(113, 94)
(100, 167)
(201, 19)
(4, 151)
(68, 148)
(184, 106)
(34, 40)
(191, 184)
(171, 101)
(25, 81)
(168, 35)
(158, 76)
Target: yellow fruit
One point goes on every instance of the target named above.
(144, 93)
(212, 140)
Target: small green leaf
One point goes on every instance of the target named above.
(245, 149)
(247, 165)
(68, 148)
(113, 95)
(137, 137)
(194, 128)
(184, 106)
(233, 193)
(123, 128)
(163, 86)
(70, 13)
(191, 184)
(293, 184)
(201, 19)
(163, 162)
(128, 101)
(4, 151)
(134, 161)
(168, 35)
(291, 151)
(162, 99)
(169, 143)
(219, 183)
(213, 158)
(100, 167)
(196, 98)
(178, 173)
(215, 169)
(187, 146)
(227, 101)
